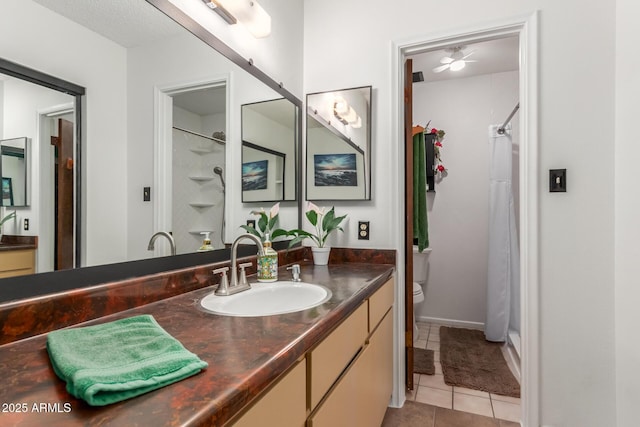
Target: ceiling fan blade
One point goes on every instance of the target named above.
(468, 55)
(441, 68)
(446, 60)
(470, 60)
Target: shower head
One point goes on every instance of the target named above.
(218, 171)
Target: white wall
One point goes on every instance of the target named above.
(74, 54)
(577, 374)
(459, 209)
(627, 205)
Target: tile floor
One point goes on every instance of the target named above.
(432, 390)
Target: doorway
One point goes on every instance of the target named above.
(526, 30)
(192, 123)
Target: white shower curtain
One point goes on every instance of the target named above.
(503, 285)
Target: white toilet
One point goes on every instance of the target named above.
(420, 273)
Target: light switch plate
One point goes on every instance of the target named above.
(557, 180)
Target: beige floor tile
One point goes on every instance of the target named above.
(438, 366)
(431, 345)
(472, 404)
(436, 355)
(509, 399)
(420, 344)
(416, 378)
(434, 337)
(471, 392)
(506, 411)
(434, 396)
(423, 336)
(435, 381)
(411, 394)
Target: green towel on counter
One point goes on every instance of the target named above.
(114, 361)
(420, 224)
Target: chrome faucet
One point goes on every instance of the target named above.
(226, 288)
(295, 272)
(169, 237)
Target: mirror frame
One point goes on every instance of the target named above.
(39, 284)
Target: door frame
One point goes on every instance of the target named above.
(163, 145)
(526, 27)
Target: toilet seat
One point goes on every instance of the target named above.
(418, 295)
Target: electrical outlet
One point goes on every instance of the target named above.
(251, 223)
(363, 230)
(146, 194)
(25, 224)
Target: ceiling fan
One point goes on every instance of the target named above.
(457, 61)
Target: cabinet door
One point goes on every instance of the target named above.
(285, 405)
(329, 359)
(17, 263)
(361, 396)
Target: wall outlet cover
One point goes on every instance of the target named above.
(557, 180)
(363, 230)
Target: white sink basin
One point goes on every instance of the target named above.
(265, 299)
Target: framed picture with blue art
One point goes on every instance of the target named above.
(335, 170)
(254, 175)
(7, 192)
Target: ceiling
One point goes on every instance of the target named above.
(493, 56)
(203, 102)
(129, 23)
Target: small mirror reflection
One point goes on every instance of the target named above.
(13, 169)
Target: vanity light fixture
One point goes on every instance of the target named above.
(346, 114)
(248, 12)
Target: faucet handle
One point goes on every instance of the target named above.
(224, 280)
(295, 271)
(243, 273)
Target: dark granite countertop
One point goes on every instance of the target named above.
(245, 354)
(12, 243)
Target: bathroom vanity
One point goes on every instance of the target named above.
(333, 361)
(17, 255)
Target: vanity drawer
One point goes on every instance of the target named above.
(14, 263)
(331, 357)
(379, 303)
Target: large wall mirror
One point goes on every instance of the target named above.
(339, 145)
(153, 135)
(269, 161)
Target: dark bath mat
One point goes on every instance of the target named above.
(469, 360)
(423, 361)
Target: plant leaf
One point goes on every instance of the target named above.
(312, 216)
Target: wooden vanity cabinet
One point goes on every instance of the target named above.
(17, 262)
(361, 394)
(284, 405)
(346, 380)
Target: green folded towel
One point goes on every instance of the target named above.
(114, 361)
(420, 221)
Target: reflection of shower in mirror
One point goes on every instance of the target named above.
(218, 171)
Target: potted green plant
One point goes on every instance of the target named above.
(6, 218)
(266, 224)
(324, 222)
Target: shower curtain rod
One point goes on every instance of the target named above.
(506, 122)
(219, 141)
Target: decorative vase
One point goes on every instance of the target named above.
(320, 255)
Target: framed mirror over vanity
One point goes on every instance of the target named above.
(154, 101)
(338, 163)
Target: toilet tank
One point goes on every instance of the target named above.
(421, 265)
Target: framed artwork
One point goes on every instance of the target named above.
(335, 170)
(7, 192)
(254, 175)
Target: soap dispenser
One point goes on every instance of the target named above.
(206, 243)
(268, 263)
